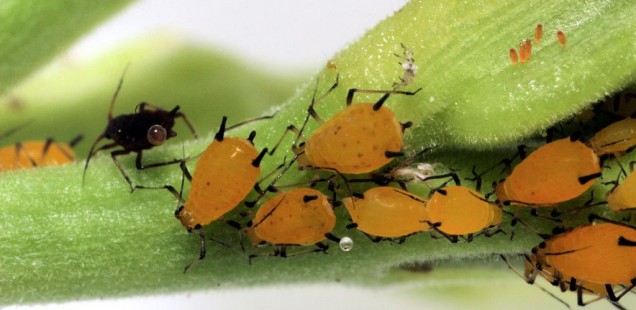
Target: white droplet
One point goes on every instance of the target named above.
(346, 244)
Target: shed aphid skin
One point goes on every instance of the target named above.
(561, 38)
(298, 217)
(602, 253)
(387, 213)
(331, 65)
(30, 154)
(147, 128)
(538, 33)
(409, 67)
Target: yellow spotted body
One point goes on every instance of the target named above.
(224, 175)
(355, 140)
(388, 212)
(12, 158)
(615, 138)
(623, 197)
(462, 211)
(550, 175)
(287, 219)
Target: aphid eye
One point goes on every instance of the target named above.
(156, 135)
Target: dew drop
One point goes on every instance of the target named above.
(346, 244)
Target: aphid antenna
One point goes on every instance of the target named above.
(505, 260)
(310, 110)
(114, 98)
(252, 120)
(251, 204)
(593, 217)
(15, 129)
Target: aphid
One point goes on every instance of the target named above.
(37, 153)
(301, 216)
(513, 56)
(225, 173)
(387, 212)
(623, 196)
(538, 33)
(556, 172)
(368, 133)
(458, 210)
(148, 127)
(602, 253)
(561, 37)
(615, 138)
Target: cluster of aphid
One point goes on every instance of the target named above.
(594, 258)
(525, 47)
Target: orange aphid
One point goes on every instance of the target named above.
(34, 154)
(387, 212)
(556, 172)
(462, 211)
(301, 216)
(538, 33)
(561, 38)
(623, 197)
(615, 138)
(602, 253)
(211, 195)
(513, 56)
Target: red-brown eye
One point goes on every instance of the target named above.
(156, 135)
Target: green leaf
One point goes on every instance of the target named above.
(103, 241)
(33, 32)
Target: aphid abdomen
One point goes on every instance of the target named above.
(355, 140)
(223, 177)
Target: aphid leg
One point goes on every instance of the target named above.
(19, 151)
(586, 205)
(141, 166)
(531, 280)
(434, 226)
(310, 110)
(114, 155)
(202, 252)
(593, 217)
(290, 128)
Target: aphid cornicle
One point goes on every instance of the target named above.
(387, 212)
(147, 128)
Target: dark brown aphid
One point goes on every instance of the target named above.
(148, 127)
